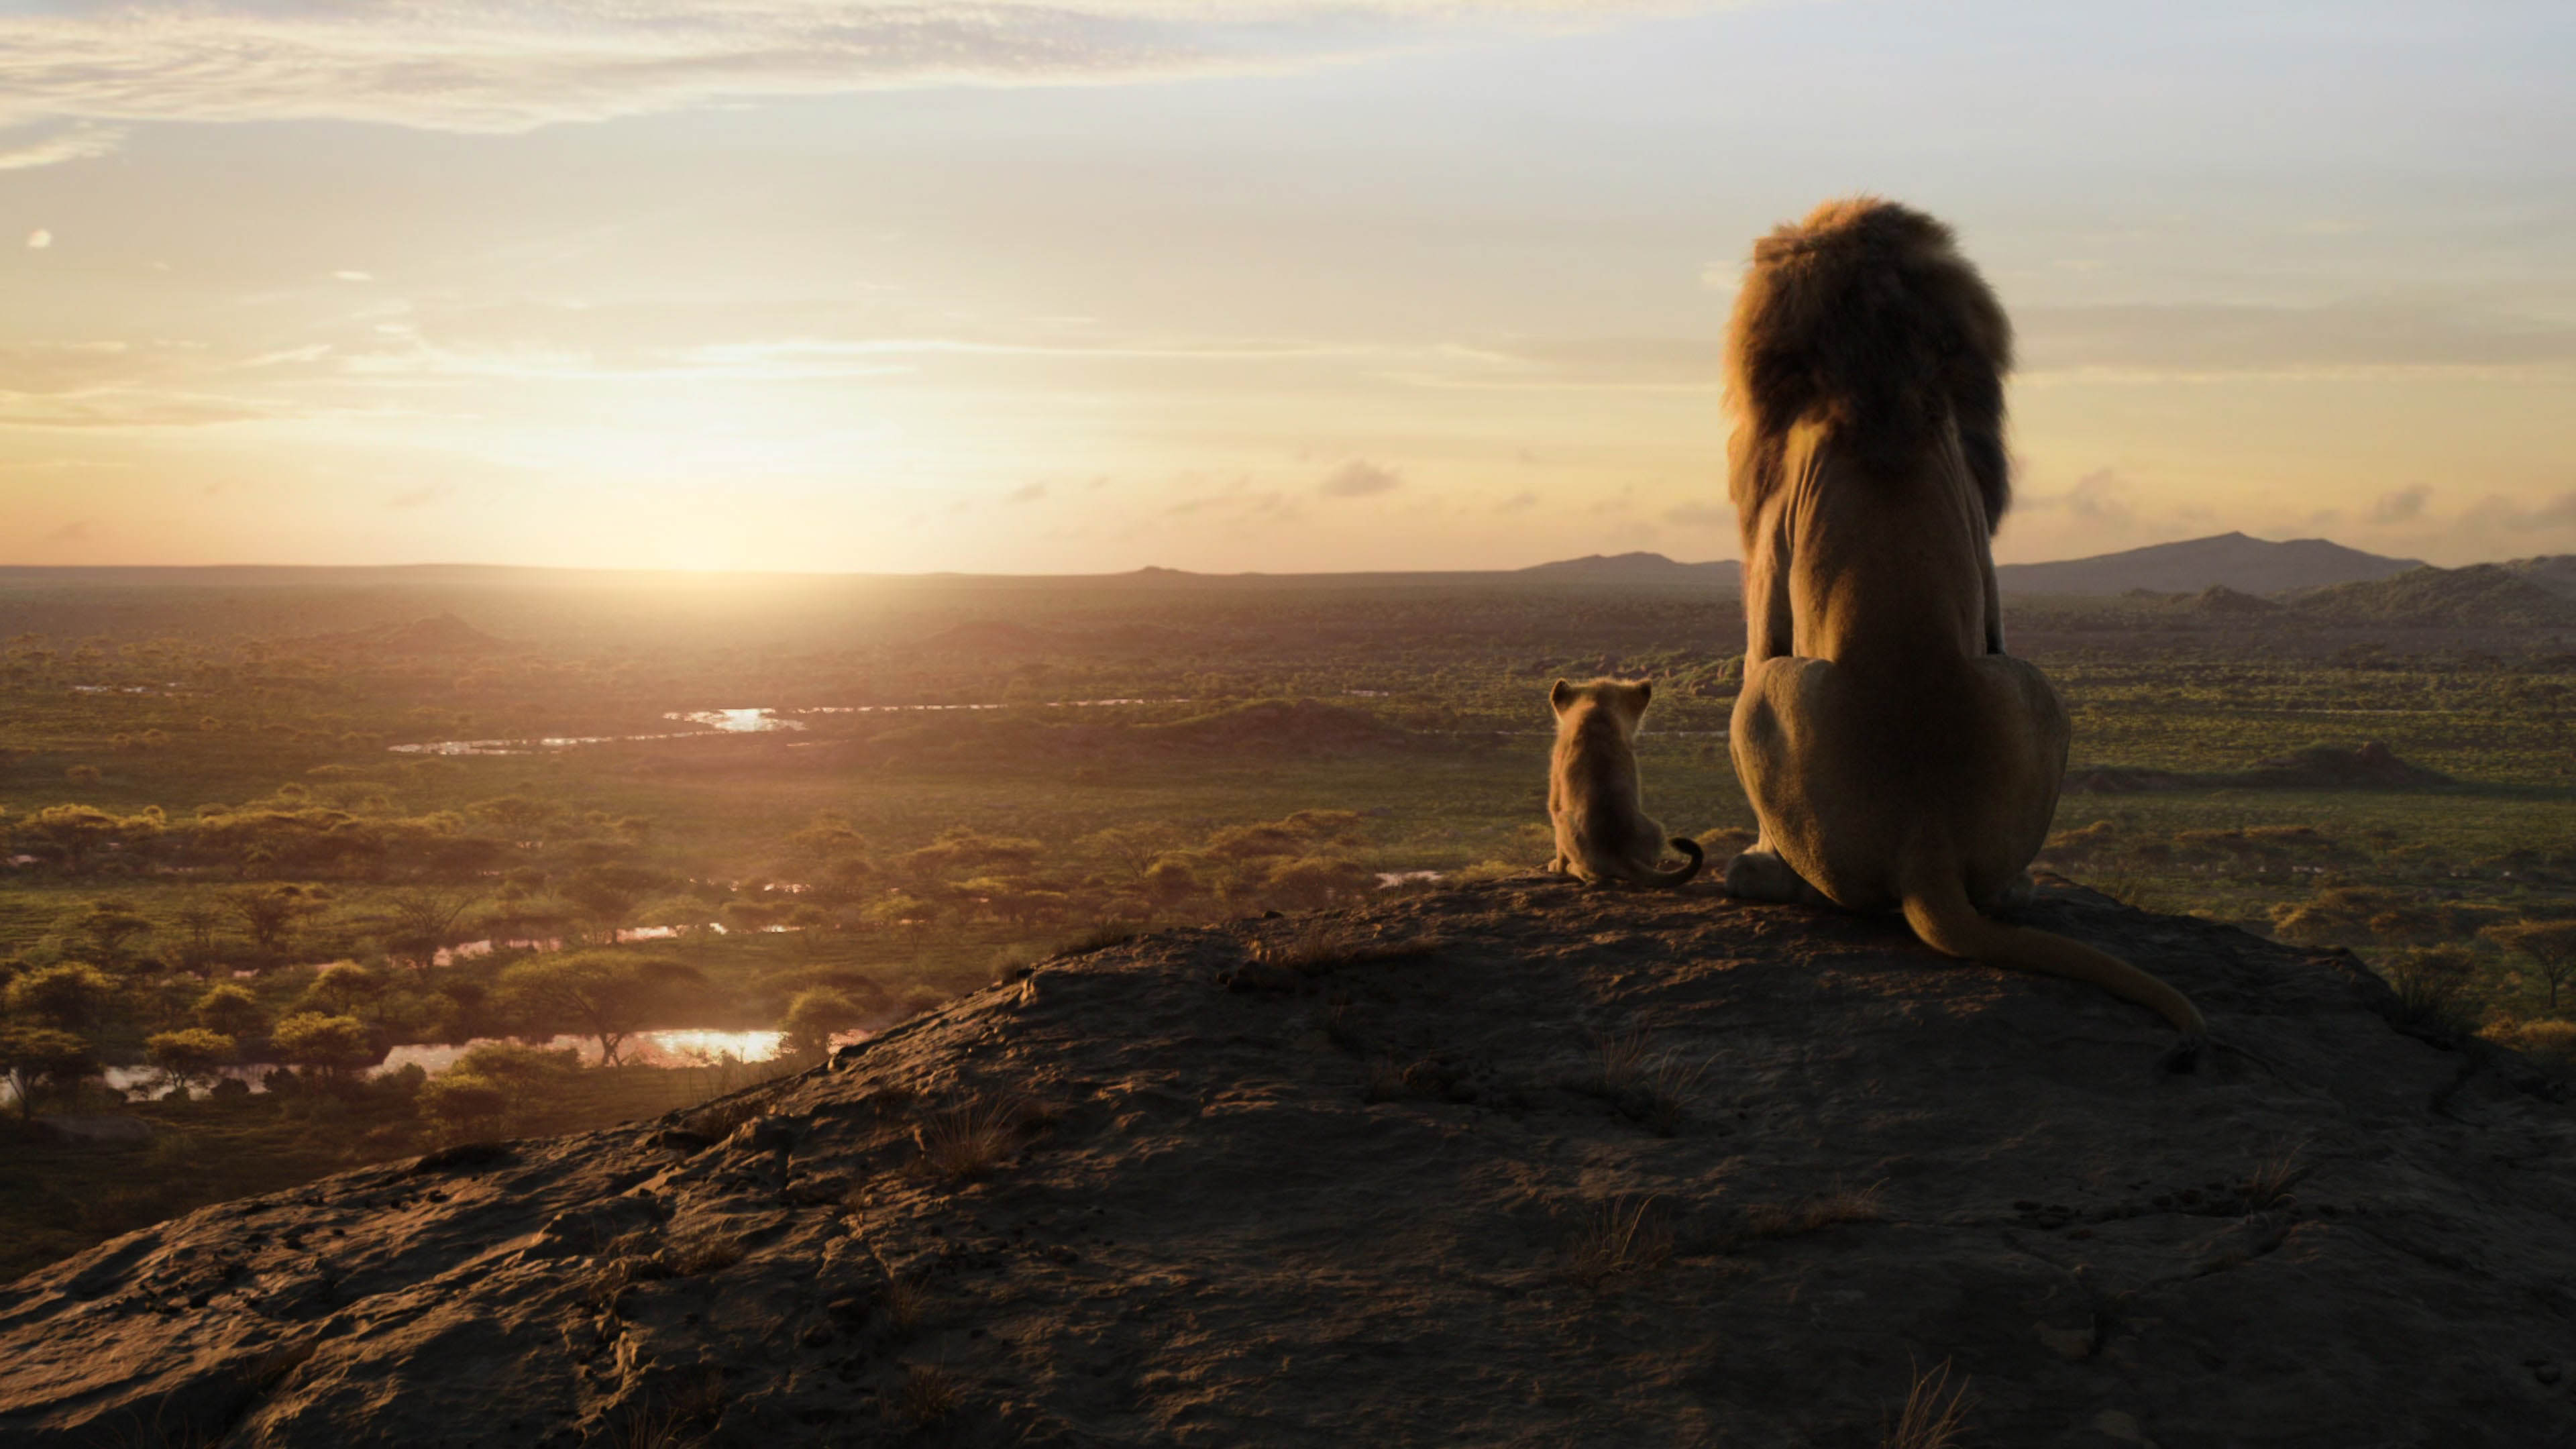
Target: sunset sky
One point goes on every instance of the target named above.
(1236, 284)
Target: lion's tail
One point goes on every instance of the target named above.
(1664, 880)
(1936, 906)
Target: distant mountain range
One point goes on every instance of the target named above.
(2230, 574)
(2228, 561)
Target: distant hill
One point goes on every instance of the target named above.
(2217, 599)
(1639, 565)
(2555, 572)
(991, 636)
(2229, 560)
(443, 634)
(2479, 596)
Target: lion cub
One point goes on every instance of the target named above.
(1602, 830)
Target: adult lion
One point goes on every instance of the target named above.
(1894, 754)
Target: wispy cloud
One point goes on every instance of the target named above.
(72, 143)
(2404, 505)
(470, 66)
(2216, 341)
(1359, 478)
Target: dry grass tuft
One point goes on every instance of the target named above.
(1342, 1027)
(928, 1396)
(1814, 1214)
(1315, 945)
(651, 1429)
(1619, 1061)
(905, 1302)
(1652, 1089)
(2270, 1184)
(1386, 1081)
(1616, 1239)
(965, 1142)
(1935, 1413)
(694, 1256)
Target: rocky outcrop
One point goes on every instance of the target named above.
(101, 1129)
(1516, 1162)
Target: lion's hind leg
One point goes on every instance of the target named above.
(1760, 874)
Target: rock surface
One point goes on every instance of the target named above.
(1511, 1163)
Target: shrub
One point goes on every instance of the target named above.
(464, 1103)
(2551, 1041)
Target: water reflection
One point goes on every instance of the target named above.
(738, 721)
(675, 1047)
(714, 722)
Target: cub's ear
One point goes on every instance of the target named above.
(1644, 689)
(1557, 696)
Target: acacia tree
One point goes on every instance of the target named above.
(332, 1047)
(107, 924)
(609, 994)
(198, 919)
(34, 1056)
(189, 1056)
(607, 895)
(230, 1011)
(269, 914)
(419, 923)
(814, 1016)
(2548, 945)
(71, 834)
(69, 997)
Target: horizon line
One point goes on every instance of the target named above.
(1142, 569)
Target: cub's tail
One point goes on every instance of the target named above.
(1936, 906)
(1667, 879)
